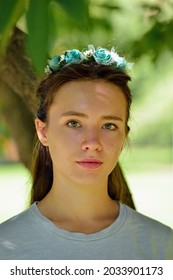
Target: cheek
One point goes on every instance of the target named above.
(62, 143)
(114, 149)
(115, 144)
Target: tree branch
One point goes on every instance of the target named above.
(17, 72)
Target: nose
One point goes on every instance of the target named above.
(92, 141)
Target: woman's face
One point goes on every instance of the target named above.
(85, 131)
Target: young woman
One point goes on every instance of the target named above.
(82, 125)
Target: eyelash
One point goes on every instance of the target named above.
(111, 124)
(77, 124)
(73, 121)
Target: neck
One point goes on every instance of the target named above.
(71, 206)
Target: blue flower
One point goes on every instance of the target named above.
(119, 61)
(54, 62)
(102, 56)
(121, 64)
(73, 56)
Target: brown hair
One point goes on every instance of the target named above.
(42, 171)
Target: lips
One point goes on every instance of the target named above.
(90, 163)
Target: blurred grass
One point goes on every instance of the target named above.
(12, 169)
(146, 158)
(148, 171)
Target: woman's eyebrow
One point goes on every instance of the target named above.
(112, 117)
(73, 113)
(79, 114)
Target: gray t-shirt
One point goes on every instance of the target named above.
(30, 235)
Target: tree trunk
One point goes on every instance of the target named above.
(19, 122)
(17, 72)
(19, 104)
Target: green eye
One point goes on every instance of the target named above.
(110, 126)
(73, 124)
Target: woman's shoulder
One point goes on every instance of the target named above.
(148, 224)
(19, 222)
(20, 234)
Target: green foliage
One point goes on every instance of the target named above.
(139, 27)
(39, 22)
(38, 32)
(11, 11)
(153, 99)
(156, 40)
(76, 9)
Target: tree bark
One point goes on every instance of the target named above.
(17, 94)
(17, 72)
(19, 122)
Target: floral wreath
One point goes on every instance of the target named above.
(100, 55)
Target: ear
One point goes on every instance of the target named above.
(41, 128)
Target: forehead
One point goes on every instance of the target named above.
(89, 94)
(86, 88)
